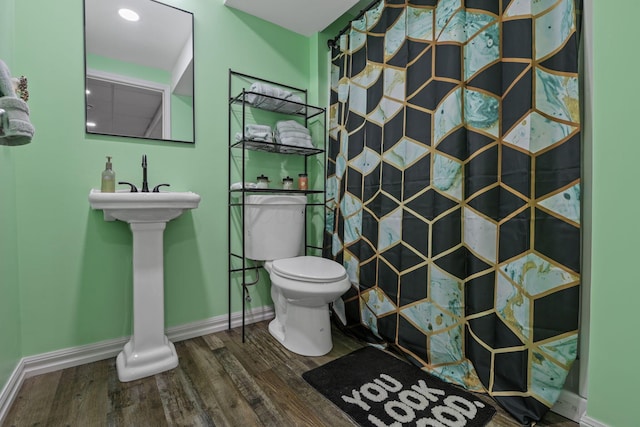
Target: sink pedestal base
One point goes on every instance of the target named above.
(149, 351)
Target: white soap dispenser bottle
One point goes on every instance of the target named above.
(108, 178)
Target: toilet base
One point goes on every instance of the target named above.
(307, 330)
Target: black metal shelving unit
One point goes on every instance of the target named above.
(238, 97)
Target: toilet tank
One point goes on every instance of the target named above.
(274, 226)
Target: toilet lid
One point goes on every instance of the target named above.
(309, 269)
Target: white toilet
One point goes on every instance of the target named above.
(301, 286)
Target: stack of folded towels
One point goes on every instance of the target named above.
(274, 98)
(261, 133)
(290, 132)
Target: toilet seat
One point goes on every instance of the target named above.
(309, 269)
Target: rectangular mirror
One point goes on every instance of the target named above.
(139, 73)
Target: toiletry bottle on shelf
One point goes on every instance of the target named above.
(303, 181)
(108, 178)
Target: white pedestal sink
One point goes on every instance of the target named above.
(149, 351)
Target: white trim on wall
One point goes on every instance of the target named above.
(61, 359)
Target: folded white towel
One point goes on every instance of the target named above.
(290, 124)
(256, 133)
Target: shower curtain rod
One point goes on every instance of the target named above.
(332, 42)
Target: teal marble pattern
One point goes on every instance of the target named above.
(334, 126)
(564, 350)
(428, 317)
(481, 111)
(537, 276)
(394, 83)
(554, 28)
(344, 144)
(330, 221)
(420, 23)
(481, 51)
(352, 265)
(367, 318)
(386, 110)
(358, 100)
(464, 25)
(461, 373)
(350, 205)
(446, 291)
(390, 230)
(513, 306)
(394, 37)
(357, 39)
(353, 228)
(336, 244)
(335, 77)
(447, 176)
(444, 11)
(343, 90)
(519, 8)
(480, 235)
(343, 42)
(366, 161)
(566, 203)
(540, 6)
(341, 165)
(372, 16)
(369, 75)
(446, 346)
(547, 378)
(557, 96)
(537, 132)
(332, 191)
(448, 115)
(378, 302)
(405, 153)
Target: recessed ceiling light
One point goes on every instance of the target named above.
(87, 91)
(91, 124)
(129, 15)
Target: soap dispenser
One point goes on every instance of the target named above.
(108, 178)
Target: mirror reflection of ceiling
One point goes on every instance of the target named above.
(305, 17)
(159, 36)
(119, 109)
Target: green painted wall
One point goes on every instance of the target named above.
(10, 332)
(74, 268)
(613, 376)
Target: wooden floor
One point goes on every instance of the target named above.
(220, 382)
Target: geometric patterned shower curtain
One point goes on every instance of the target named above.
(453, 189)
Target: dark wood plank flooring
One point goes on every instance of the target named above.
(220, 382)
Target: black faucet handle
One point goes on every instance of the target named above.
(133, 187)
(156, 189)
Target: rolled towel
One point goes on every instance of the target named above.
(15, 126)
(273, 98)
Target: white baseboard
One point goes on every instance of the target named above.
(587, 421)
(571, 406)
(66, 358)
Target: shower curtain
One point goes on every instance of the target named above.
(453, 188)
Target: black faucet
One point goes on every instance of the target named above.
(145, 184)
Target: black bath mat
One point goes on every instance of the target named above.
(376, 389)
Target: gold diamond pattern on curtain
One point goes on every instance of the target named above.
(453, 188)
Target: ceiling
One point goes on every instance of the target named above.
(305, 17)
(109, 35)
